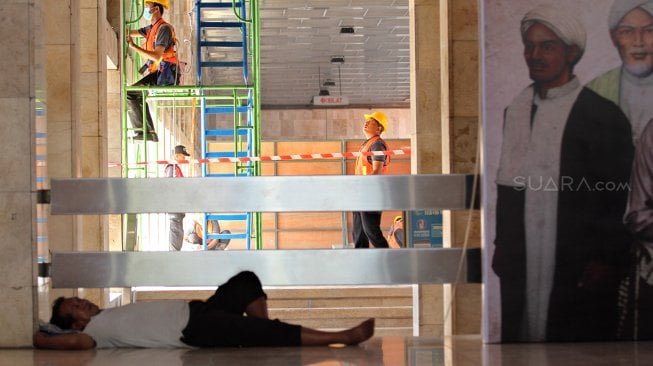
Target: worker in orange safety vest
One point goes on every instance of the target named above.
(161, 63)
(195, 235)
(396, 233)
(367, 224)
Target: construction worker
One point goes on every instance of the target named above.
(195, 235)
(396, 233)
(367, 224)
(176, 237)
(161, 63)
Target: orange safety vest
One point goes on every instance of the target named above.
(209, 228)
(169, 55)
(397, 225)
(363, 165)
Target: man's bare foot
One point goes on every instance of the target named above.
(361, 332)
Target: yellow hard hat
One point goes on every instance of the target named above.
(398, 218)
(379, 117)
(164, 3)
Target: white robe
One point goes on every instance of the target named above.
(636, 100)
(530, 158)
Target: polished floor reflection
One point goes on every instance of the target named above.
(395, 351)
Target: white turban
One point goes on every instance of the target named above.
(620, 8)
(565, 26)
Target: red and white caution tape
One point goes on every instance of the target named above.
(344, 155)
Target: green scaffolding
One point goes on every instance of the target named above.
(241, 101)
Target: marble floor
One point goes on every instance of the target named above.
(396, 351)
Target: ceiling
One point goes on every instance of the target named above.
(299, 39)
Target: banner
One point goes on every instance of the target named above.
(567, 97)
(425, 229)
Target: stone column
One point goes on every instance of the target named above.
(59, 47)
(429, 122)
(90, 92)
(76, 79)
(22, 103)
(444, 107)
(88, 124)
(464, 121)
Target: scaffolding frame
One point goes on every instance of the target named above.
(241, 101)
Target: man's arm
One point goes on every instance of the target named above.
(74, 341)
(169, 172)
(377, 167)
(155, 55)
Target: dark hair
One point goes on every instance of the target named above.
(63, 322)
(160, 7)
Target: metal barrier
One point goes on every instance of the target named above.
(264, 194)
(261, 194)
(275, 267)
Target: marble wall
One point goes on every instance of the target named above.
(21, 93)
(328, 124)
(75, 69)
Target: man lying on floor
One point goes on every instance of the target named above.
(235, 316)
